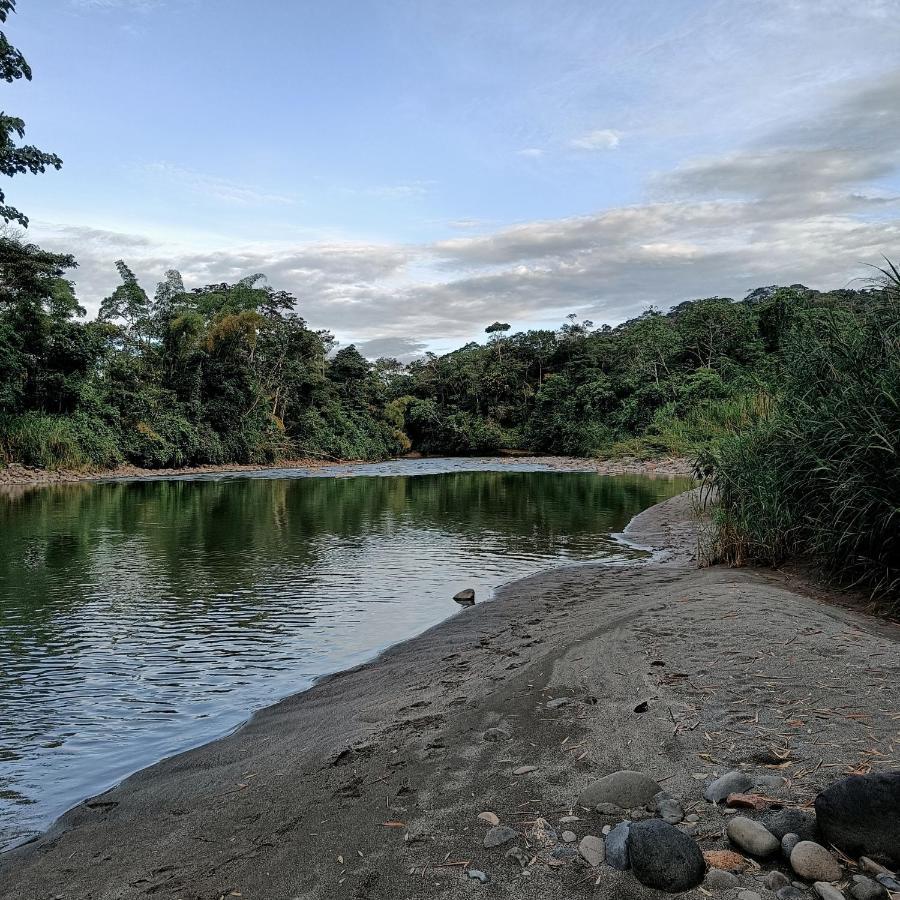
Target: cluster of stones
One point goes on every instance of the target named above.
(859, 817)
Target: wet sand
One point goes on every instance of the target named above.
(369, 785)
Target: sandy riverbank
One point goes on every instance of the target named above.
(370, 784)
(15, 474)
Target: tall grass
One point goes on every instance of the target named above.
(819, 474)
(78, 441)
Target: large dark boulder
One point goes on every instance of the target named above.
(663, 857)
(860, 815)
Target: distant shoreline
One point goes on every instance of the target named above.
(17, 474)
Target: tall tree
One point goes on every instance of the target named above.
(17, 159)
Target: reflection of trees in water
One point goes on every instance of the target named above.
(181, 545)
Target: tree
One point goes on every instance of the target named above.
(17, 159)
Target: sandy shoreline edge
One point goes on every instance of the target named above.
(293, 803)
(14, 474)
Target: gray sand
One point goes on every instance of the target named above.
(738, 668)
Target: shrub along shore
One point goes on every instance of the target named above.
(788, 398)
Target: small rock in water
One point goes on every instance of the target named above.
(775, 881)
(790, 821)
(496, 734)
(519, 855)
(890, 882)
(814, 863)
(569, 837)
(734, 782)
(720, 880)
(669, 810)
(860, 815)
(477, 875)
(625, 789)
(524, 770)
(788, 842)
(465, 596)
(791, 893)
(489, 817)
(617, 846)
(863, 888)
(751, 836)
(662, 857)
(592, 850)
(499, 835)
(827, 891)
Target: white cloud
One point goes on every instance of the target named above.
(601, 139)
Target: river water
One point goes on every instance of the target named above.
(140, 618)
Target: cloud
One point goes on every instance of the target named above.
(212, 187)
(402, 348)
(601, 139)
(812, 201)
(530, 152)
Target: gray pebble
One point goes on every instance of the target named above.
(734, 782)
(776, 880)
(751, 836)
(814, 863)
(498, 835)
(748, 895)
(828, 891)
(669, 810)
(891, 882)
(720, 880)
(569, 836)
(496, 734)
(791, 893)
(477, 875)
(788, 842)
(592, 850)
(626, 788)
(864, 888)
(556, 704)
(617, 846)
(692, 817)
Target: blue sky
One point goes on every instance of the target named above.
(414, 170)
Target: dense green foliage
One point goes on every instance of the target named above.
(223, 373)
(818, 474)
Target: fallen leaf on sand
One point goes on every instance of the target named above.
(489, 817)
(725, 859)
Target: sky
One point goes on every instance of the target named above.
(413, 170)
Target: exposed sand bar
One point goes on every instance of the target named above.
(737, 666)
